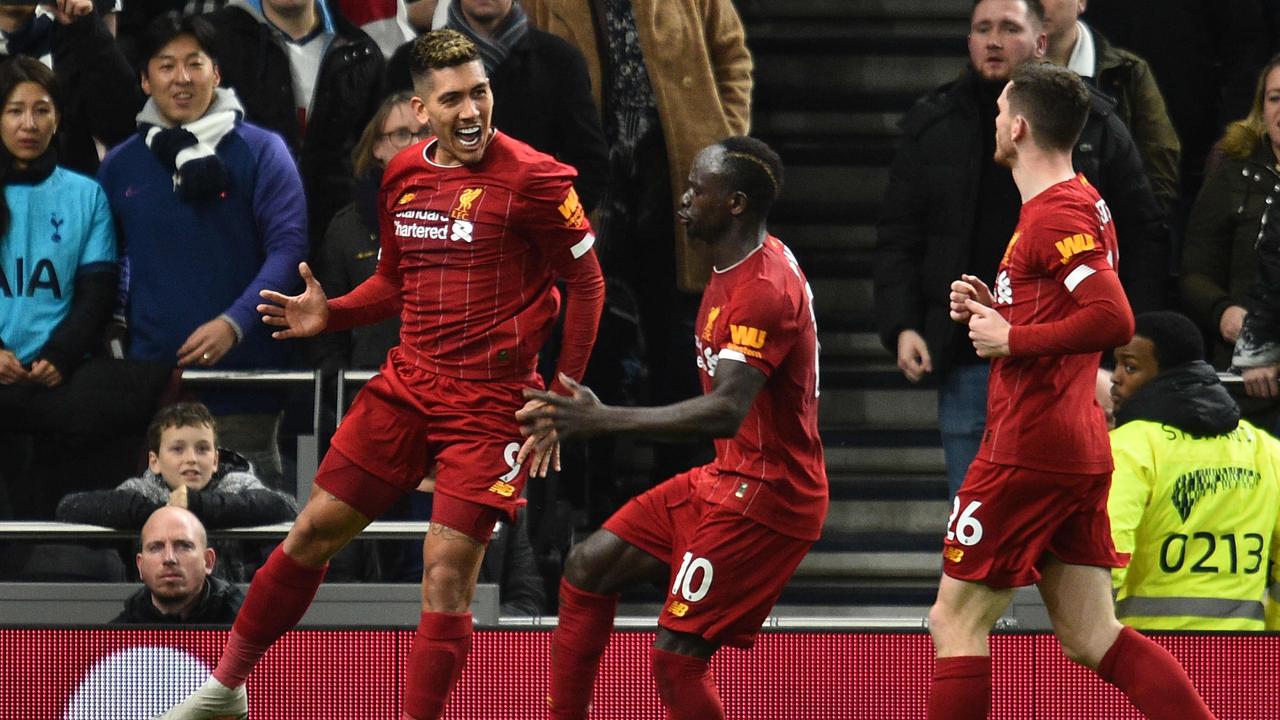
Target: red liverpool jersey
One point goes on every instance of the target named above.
(1041, 409)
(471, 253)
(760, 312)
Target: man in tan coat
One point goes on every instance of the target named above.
(670, 78)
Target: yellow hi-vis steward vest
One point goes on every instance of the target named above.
(1201, 518)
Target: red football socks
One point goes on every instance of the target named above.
(686, 686)
(1152, 678)
(278, 597)
(586, 621)
(961, 689)
(435, 663)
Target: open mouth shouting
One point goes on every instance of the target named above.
(469, 138)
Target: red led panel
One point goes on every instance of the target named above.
(359, 675)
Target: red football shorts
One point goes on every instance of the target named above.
(406, 422)
(1007, 521)
(727, 570)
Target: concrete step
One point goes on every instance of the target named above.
(834, 184)
(753, 11)
(842, 75)
(888, 516)
(909, 409)
(801, 236)
(882, 565)
(861, 486)
(888, 461)
(902, 36)
(779, 124)
(862, 347)
(849, 300)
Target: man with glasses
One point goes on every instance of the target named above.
(348, 255)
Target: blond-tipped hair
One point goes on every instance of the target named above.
(440, 49)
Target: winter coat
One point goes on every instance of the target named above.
(347, 93)
(347, 257)
(99, 92)
(1219, 253)
(926, 225)
(1127, 80)
(696, 55)
(1191, 476)
(1259, 341)
(235, 497)
(218, 605)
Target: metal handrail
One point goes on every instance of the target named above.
(344, 377)
(48, 530)
(263, 377)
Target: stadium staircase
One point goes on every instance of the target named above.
(832, 79)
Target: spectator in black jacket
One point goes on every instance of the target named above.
(541, 86)
(176, 566)
(349, 253)
(308, 74)
(1126, 78)
(185, 470)
(949, 208)
(100, 93)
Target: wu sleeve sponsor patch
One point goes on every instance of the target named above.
(575, 217)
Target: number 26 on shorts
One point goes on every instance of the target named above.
(968, 529)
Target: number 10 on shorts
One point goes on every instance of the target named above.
(689, 573)
(967, 530)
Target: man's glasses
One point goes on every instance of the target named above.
(403, 138)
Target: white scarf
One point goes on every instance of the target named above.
(180, 145)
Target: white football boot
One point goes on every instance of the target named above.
(212, 701)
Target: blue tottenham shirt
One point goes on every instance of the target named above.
(59, 229)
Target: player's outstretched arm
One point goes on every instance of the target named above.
(717, 414)
(300, 315)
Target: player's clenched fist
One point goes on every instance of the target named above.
(988, 330)
(968, 287)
